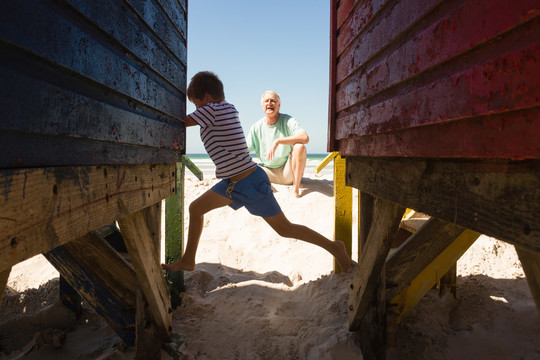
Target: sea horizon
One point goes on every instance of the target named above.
(203, 162)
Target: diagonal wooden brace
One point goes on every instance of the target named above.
(145, 258)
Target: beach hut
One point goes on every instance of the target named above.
(92, 97)
(435, 107)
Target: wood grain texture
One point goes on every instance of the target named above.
(102, 277)
(530, 260)
(386, 218)
(145, 258)
(109, 73)
(43, 208)
(413, 256)
(405, 71)
(496, 198)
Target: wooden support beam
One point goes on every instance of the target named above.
(174, 235)
(384, 218)
(4, 277)
(145, 258)
(148, 344)
(102, 277)
(342, 208)
(409, 296)
(43, 208)
(413, 256)
(498, 198)
(449, 281)
(531, 266)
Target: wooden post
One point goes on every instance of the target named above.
(424, 259)
(531, 266)
(342, 207)
(148, 344)
(142, 251)
(174, 234)
(4, 277)
(102, 277)
(367, 305)
(69, 297)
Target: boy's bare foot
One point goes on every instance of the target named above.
(181, 264)
(342, 257)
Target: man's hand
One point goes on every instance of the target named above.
(272, 149)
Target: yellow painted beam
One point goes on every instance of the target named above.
(411, 295)
(342, 207)
(325, 162)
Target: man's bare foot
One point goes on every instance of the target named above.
(181, 264)
(342, 257)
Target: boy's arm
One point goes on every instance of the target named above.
(190, 121)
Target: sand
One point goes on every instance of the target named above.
(255, 295)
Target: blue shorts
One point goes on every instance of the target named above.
(254, 192)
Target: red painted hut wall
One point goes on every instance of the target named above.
(427, 78)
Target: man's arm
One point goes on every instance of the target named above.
(298, 138)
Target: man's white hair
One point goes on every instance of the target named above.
(271, 92)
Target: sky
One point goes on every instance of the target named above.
(254, 46)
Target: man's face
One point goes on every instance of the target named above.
(270, 104)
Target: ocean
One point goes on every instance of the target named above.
(206, 165)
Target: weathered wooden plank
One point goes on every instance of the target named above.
(439, 36)
(68, 41)
(174, 235)
(146, 262)
(498, 84)
(128, 22)
(342, 208)
(449, 281)
(102, 277)
(81, 113)
(77, 71)
(43, 208)
(384, 225)
(54, 151)
(148, 342)
(415, 254)
(510, 135)
(373, 325)
(408, 297)
(69, 297)
(496, 198)
(4, 277)
(385, 20)
(530, 261)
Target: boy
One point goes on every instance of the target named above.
(243, 182)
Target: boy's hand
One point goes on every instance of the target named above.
(190, 121)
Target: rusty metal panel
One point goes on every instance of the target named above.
(92, 82)
(427, 78)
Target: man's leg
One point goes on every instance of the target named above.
(298, 165)
(208, 201)
(287, 229)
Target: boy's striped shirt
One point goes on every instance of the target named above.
(223, 138)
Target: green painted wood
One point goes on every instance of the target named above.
(174, 234)
(192, 167)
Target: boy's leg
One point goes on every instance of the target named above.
(208, 201)
(287, 229)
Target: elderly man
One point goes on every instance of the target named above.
(279, 142)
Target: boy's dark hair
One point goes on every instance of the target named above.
(205, 82)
